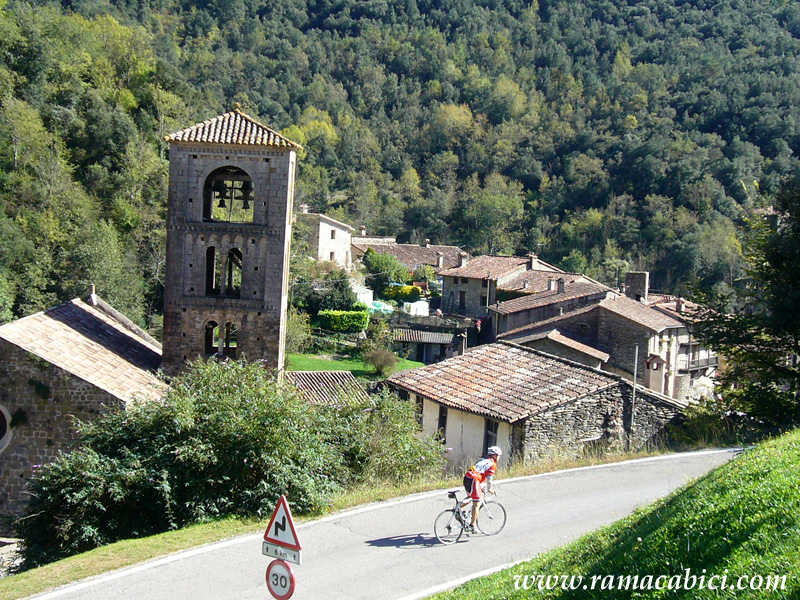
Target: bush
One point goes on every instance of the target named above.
(383, 360)
(226, 439)
(403, 293)
(343, 321)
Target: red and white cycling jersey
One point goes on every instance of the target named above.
(481, 470)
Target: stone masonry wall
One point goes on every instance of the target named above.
(600, 420)
(40, 398)
(260, 312)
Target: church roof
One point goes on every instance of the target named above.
(234, 128)
(94, 343)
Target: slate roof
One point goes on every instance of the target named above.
(487, 267)
(556, 336)
(413, 255)
(326, 387)
(233, 128)
(642, 314)
(94, 345)
(523, 333)
(578, 289)
(503, 381)
(418, 336)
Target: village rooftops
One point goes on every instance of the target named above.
(534, 331)
(503, 381)
(232, 128)
(579, 288)
(540, 280)
(421, 336)
(412, 256)
(640, 313)
(489, 267)
(327, 388)
(92, 342)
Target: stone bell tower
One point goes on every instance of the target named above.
(231, 187)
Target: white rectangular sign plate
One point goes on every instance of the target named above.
(292, 556)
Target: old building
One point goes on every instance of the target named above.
(531, 404)
(328, 239)
(228, 233)
(474, 285)
(411, 256)
(75, 360)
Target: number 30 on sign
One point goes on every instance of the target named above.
(280, 580)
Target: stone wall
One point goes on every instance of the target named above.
(41, 399)
(259, 313)
(599, 421)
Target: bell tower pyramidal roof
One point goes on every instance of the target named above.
(232, 128)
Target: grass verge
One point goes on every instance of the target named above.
(315, 362)
(130, 552)
(739, 521)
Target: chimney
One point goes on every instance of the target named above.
(532, 260)
(526, 284)
(462, 343)
(551, 284)
(679, 306)
(427, 243)
(561, 285)
(636, 285)
(304, 209)
(363, 231)
(463, 258)
(439, 260)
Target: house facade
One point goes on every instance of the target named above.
(329, 239)
(73, 361)
(531, 404)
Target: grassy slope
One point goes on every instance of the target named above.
(312, 362)
(743, 517)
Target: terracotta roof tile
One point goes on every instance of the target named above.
(235, 128)
(413, 255)
(503, 381)
(488, 267)
(92, 345)
(326, 387)
(640, 313)
(577, 289)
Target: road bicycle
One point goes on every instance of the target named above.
(452, 523)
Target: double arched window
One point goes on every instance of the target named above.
(221, 341)
(224, 277)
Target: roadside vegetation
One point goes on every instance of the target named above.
(740, 520)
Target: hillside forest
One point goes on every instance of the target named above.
(604, 136)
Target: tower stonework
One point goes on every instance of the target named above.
(231, 188)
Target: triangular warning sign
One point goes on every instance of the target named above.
(280, 530)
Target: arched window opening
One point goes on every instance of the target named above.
(5, 428)
(228, 196)
(212, 338)
(231, 340)
(233, 272)
(212, 282)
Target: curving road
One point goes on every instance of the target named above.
(388, 551)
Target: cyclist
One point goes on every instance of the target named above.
(481, 471)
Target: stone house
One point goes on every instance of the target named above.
(474, 285)
(75, 360)
(329, 239)
(428, 345)
(531, 404)
(410, 256)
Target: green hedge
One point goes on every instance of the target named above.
(343, 321)
(403, 293)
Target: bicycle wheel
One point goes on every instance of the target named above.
(447, 528)
(491, 518)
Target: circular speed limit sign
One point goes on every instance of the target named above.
(280, 580)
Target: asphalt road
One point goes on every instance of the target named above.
(388, 551)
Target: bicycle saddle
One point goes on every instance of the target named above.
(451, 495)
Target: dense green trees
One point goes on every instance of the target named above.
(554, 127)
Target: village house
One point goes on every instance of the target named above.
(73, 361)
(411, 256)
(328, 239)
(475, 283)
(531, 404)
(428, 345)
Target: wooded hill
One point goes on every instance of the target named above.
(602, 135)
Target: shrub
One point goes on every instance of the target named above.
(403, 293)
(383, 360)
(343, 321)
(226, 439)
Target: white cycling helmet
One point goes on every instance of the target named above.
(494, 450)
